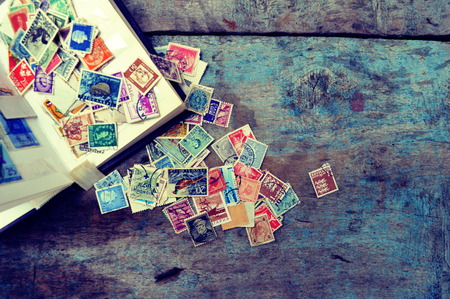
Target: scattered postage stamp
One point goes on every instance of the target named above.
(99, 56)
(8, 171)
(194, 119)
(172, 149)
(141, 76)
(19, 132)
(75, 128)
(213, 108)
(198, 99)
(201, 229)
(225, 150)
(58, 18)
(144, 184)
(54, 63)
(168, 68)
(17, 49)
(177, 213)
(274, 222)
(243, 170)
(124, 94)
(39, 35)
(180, 130)
(223, 115)
(22, 76)
(19, 19)
(215, 206)
(67, 65)
(81, 37)
(323, 180)
(163, 162)
(231, 194)
(54, 112)
(43, 82)
(102, 135)
(216, 181)
(196, 141)
(111, 179)
(273, 188)
(153, 152)
(185, 57)
(239, 137)
(142, 108)
(111, 198)
(253, 153)
(99, 88)
(187, 182)
(249, 189)
(289, 201)
(261, 233)
(48, 55)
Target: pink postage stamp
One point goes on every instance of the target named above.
(185, 57)
(323, 180)
(177, 213)
(223, 114)
(249, 189)
(243, 170)
(215, 206)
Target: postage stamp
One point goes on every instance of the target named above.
(54, 63)
(163, 162)
(253, 153)
(196, 141)
(177, 213)
(243, 170)
(43, 82)
(249, 189)
(142, 108)
(99, 88)
(17, 49)
(8, 171)
(48, 55)
(180, 130)
(239, 137)
(168, 68)
(231, 194)
(215, 206)
(111, 179)
(261, 233)
(187, 182)
(58, 18)
(124, 94)
(19, 19)
(144, 184)
(198, 99)
(153, 152)
(111, 198)
(223, 115)
(19, 132)
(172, 149)
(216, 181)
(75, 128)
(141, 76)
(39, 35)
(201, 229)
(273, 188)
(225, 150)
(81, 37)
(99, 56)
(22, 76)
(102, 135)
(323, 180)
(213, 108)
(185, 57)
(194, 119)
(274, 222)
(67, 65)
(289, 201)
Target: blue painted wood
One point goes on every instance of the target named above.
(376, 110)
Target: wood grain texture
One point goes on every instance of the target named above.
(376, 17)
(376, 110)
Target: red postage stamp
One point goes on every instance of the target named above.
(249, 189)
(99, 56)
(19, 19)
(247, 171)
(185, 57)
(215, 206)
(216, 181)
(263, 209)
(273, 188)
(323, 180)
(239, 137)
(75, 128)
(22, 76)
(141, 76)
(261, 233)
(54, 63)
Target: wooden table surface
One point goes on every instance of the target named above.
(376, 109)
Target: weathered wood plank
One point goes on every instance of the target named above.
(377, 110)
(376, 17)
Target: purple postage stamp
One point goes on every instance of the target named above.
(43, 82)
(177, 213)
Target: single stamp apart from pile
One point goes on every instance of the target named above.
(99, 88)
(141, 76)
(177, 213)
(187, 182)
(323, 180)
(261, 233)
(111, 198)
(102, 135)
(200, 228)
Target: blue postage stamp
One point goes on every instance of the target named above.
(187, 182)
(18, 132)
(8, 171)
(99, 88)
(81, 37)
(198, 99)
(163, 162)
(196, 141)
(210, 117)
(253, 153)
(111, 179)
(231, 194)
(111, 198)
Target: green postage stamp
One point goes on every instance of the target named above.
(103, 136)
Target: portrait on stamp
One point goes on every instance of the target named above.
(200, 229)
